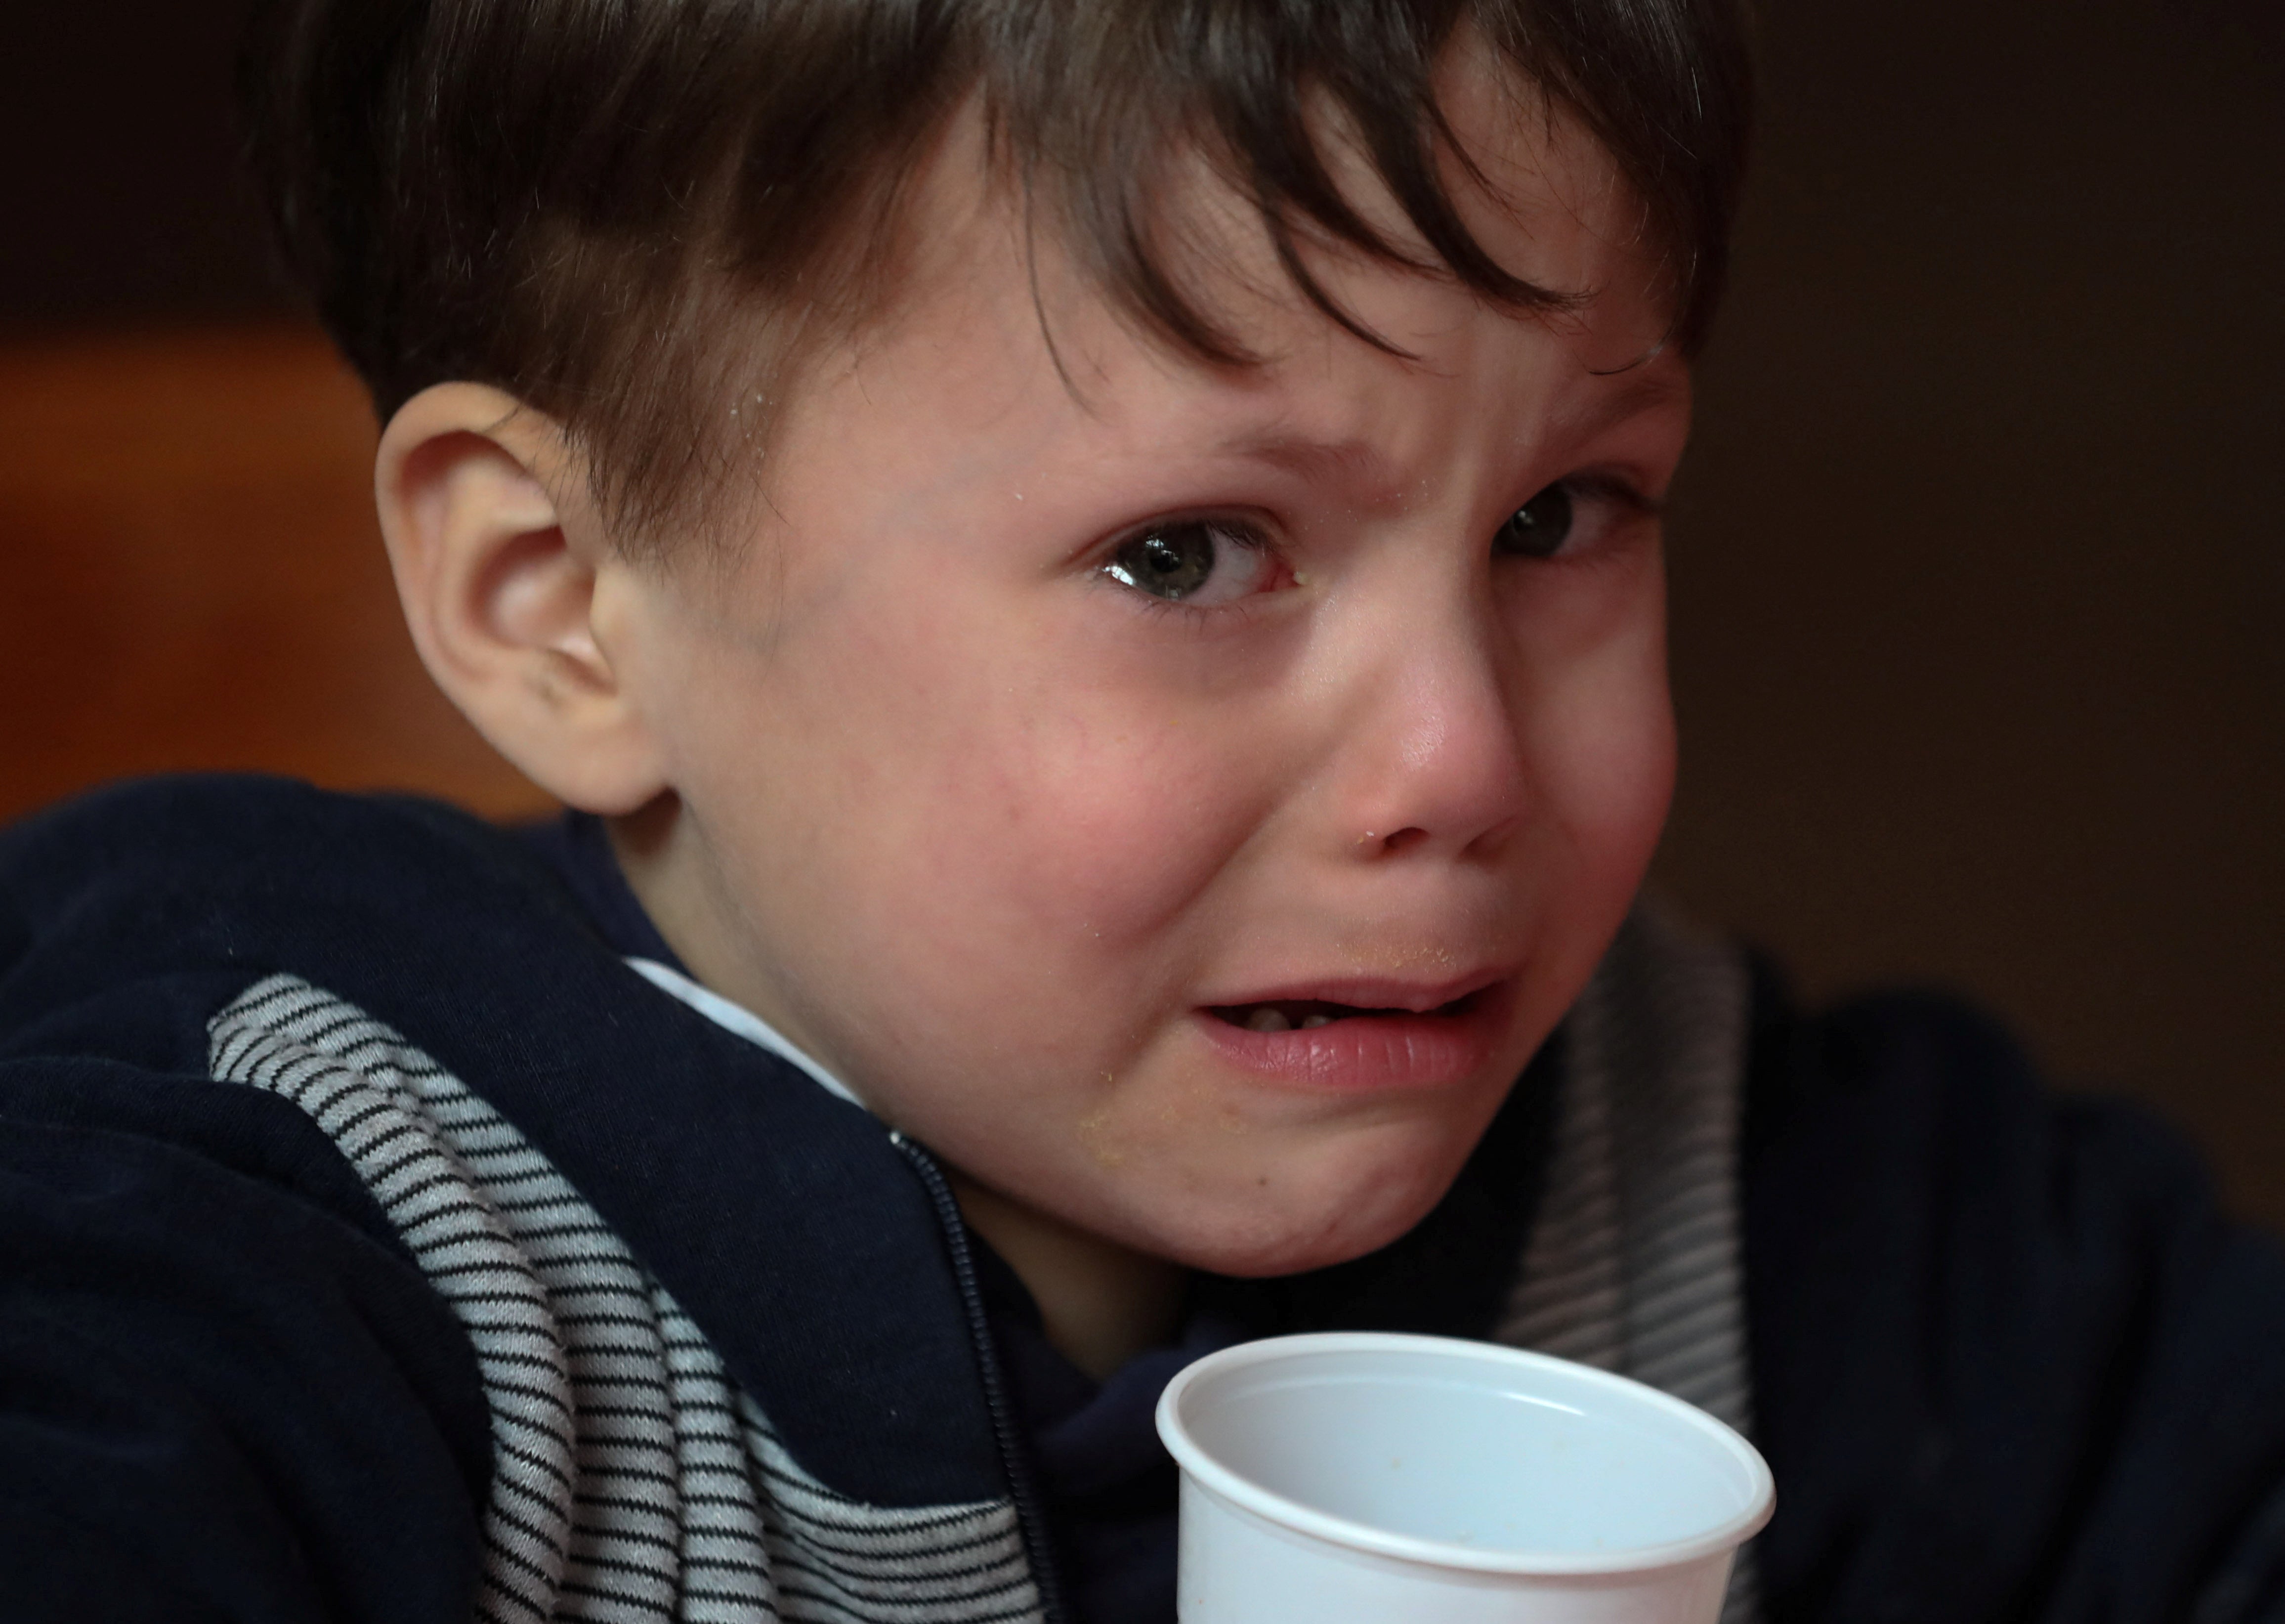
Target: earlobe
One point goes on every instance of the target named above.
(498, 557)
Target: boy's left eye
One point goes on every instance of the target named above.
(1573, 517)
(1539, 527)
(1196, 562)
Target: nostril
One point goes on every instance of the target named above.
(1402, 839)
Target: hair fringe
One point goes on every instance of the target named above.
(574, 200)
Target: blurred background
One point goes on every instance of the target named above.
(1979, 566)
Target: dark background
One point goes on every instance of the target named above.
(1979, 578)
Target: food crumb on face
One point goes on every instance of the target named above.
(1094, 1134)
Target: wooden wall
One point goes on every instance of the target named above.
(195, 580)
(1979, 577)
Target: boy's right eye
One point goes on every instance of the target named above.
(1194, 562)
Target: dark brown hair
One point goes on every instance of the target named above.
(573, 200)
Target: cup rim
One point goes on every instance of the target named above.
(1213, 1475)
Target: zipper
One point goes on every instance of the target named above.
(1031, 1522)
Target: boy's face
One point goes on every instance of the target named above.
(1054, 757)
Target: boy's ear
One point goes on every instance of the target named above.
(498, 558)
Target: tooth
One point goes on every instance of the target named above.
(1311, 1022)
(1266, 1019)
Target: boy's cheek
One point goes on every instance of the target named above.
(1076, 815)
(1111, 836)
(1604, 740)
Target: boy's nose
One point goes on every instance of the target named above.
(1434, 757)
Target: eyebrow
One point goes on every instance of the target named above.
(1644, 390)
(1360, 461)
(1354, 460)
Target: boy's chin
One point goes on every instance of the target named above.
(1259, 1233)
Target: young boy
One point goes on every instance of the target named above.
(1090, 575)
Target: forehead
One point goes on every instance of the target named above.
(996, 318)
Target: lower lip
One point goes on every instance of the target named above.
(1366, 1054)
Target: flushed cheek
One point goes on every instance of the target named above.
(1000, 862)
(1087, 824)
(1611, 747)
(1589, 853)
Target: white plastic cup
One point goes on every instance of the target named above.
(1370, 1479)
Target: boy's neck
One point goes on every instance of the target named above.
(1100, 1303)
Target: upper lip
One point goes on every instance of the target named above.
(1368, 992)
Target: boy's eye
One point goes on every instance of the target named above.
(1539, 527)
(1191, 561)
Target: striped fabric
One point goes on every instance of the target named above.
(632, 1480)
(1634, 1264)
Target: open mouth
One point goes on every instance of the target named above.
(1331, 1046)
(1308, 1014)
